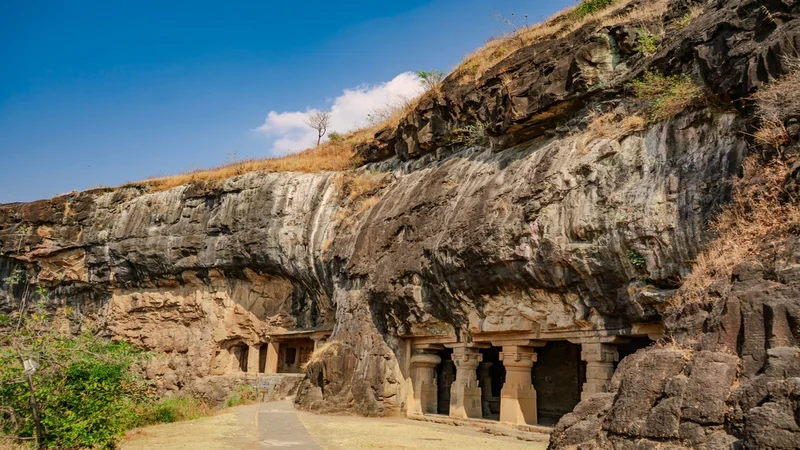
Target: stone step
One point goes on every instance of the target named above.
(522, 432)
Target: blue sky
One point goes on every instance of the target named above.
(103, 92)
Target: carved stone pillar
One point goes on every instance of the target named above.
(485, 380)
(600, 359)
(518, 398)
(465, 394)
(423, 395)
(273, 350)
(252, 360)
(446, 378)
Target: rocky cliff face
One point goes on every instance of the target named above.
(540, 224)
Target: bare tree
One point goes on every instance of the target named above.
(319, 120)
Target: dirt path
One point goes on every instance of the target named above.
(259, 426)
(273, 425)
(349, 432)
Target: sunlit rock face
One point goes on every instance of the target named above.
(531, 238)
(541, 231)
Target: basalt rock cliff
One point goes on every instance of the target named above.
(537, 224)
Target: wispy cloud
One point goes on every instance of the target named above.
(348, 112)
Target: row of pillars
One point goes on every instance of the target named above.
(272, 357)
(517, 396)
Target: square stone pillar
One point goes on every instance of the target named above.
(273, 350)
(423, 395)
(600, 359)
(465, 393)
(252, 359)
(518, 398)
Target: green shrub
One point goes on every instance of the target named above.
(646, 43)
(242, 395)
(665, 96)
(588, 7)
(85, 389)
(470, 135)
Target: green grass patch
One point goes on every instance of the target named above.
(243, 395)
(588, 7)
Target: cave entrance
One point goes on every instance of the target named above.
(445, 375)
(294, 353)
(491, 377)
(241, 352)
(558, 376)
(632, 346)
(262, 358)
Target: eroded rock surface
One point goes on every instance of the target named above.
(532, 231)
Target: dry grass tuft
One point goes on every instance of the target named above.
(777, 102)
(609, 125)
(326, 350)
(353, 186)
(327, 157)
(360, 193)
(561, 24)
(638, 16)
(665, 96)
(755, 213)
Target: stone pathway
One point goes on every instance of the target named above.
(278, 426)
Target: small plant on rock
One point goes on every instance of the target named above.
(666, 96)
(636, 259)
(431, 80)
(647, 43)
(588, 7)
(688, 18)
(471, 135)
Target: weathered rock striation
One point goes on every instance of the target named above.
(541, 233)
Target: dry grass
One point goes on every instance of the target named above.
(560, 25)
(326, 350)
(360, 192)
(665, 96)
(755, 213)
(776, 103)
(638, 16)
(326, 157)
(353, 186)
(609, 125)
(341, 155)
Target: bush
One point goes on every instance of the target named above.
(86, 392)
(666, 96)
(242, 395)
(647, 43)
(175, 409)
(588, 7)
(777, 102)
(470, 135)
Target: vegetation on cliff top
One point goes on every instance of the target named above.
(339, 152)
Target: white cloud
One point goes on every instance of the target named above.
(349, 111)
